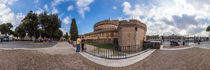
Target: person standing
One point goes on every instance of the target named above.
(1, 40)
(78, 45)
(83, 43)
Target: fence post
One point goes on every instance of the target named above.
(94, 50)
(106, 53)
(98, 49)
(126, 48)
(129, 49)
(123, 51)
(135, 48)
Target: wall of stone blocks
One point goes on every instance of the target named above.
(131, 33)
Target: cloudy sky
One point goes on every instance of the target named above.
(163, 17)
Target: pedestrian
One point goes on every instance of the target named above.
(0, 39)
(199, 42)
(78, 45)
(183, 43)
(83, 43)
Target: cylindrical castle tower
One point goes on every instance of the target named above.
(131, 35)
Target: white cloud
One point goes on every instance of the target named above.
(36, 1)
(46, 7)
(63, 30)
(66, 20)
(56, 2)
(7, 15)
(83, 5)
(7, 2)
(39, 11)
(133, 13)
(171, 17)
(18, 18)
(54, 11)
(114, 7)
(70, 7)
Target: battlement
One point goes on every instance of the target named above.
(132, 23)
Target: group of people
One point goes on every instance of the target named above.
(80, 42)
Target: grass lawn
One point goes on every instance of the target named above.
(105, 46)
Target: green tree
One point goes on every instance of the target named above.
(44, 21)
(74, 30)
(6, 28)
(30, 23)
(208, 29)
(15, 34)
(50, 24)
(20, 31)
(58, 34)
(66, 36)
(53, 27)
(38, 33)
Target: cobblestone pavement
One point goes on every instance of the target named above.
(52, 59)
(59, 57)
(189, 59)
(118, 63)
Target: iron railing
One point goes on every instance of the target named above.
(120, 52)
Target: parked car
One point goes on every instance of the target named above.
(5, 38)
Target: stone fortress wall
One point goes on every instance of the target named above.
(119, 33)
(131, 33)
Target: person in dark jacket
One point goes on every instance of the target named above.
(83, 44)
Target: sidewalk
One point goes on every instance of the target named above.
(117, 63)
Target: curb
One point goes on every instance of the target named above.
(117, 63)
(176, 48)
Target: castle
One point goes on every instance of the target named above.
(118, 33)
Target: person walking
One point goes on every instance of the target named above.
(83, 43)
(78, 45)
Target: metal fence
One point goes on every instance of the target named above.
(121, 52)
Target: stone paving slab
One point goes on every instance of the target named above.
(26, 44)
(183, 48)
(176, 48)
(117, 63)
(62, 48)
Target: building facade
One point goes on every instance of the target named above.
(118, 33)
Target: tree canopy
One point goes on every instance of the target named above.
(44, 25)
(208, 29)
(66, 36)
(30, 23)
(20, 31)
(74, 30)
(50, 25)
(6, 28)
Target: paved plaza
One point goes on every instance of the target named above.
(203, 44)
(26, 44)
(62, 56)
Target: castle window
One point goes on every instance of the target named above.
(136, 28)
